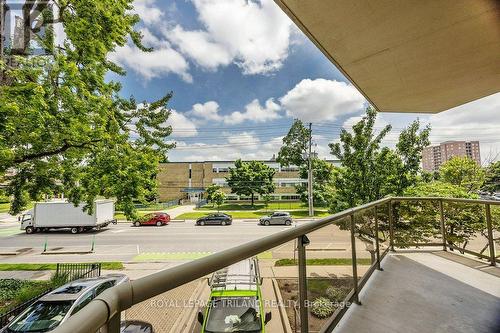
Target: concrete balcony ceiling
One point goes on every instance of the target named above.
(408, 56)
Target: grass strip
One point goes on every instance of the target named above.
(323, 262)
(113, 265)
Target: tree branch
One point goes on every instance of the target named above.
(57, 151)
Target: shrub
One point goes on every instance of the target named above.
(336, 294)
(322, 307)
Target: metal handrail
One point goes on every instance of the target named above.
(104, 311)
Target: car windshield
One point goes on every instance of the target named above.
(234, 314)
(41, 317)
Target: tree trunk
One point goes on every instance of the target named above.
(252, 199)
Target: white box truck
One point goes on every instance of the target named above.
(62, 214)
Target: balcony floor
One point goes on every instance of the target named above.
(425, 292)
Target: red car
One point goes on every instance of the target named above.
(157, 219)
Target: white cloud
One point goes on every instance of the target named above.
(254, 112)
(198, 46)
(244, 145)
(148, 12)
(162, 60)
(181, 125)
(206, 111)
(319, 100)
(255, 35)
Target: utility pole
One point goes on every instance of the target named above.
(310, 175)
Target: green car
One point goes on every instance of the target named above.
(235, 303)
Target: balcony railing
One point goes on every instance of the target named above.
(463, 225)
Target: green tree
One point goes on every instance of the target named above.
(492, 178)
(63, 126)
(250, 178)
(357, 182)
(218, 198)
(211, 189)
(295, 145)
(267, 199)
(369, 171)
(411, 143)
(463, 172)
(323, 186)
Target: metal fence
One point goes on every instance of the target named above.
(381, 225)
(64, 274)
(78, 271)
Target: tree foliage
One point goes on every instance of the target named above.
(368, 171)
(295, 145)
(419, 222)
(411, 143)
(324, 174)
(358, 152)
(250, 178)
(211, 189)
(64, 128)
(218, 197)
(463, 172)
(492, 178)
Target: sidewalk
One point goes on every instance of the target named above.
(179, 210)
(7, 219)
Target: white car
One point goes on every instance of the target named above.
(52, 309)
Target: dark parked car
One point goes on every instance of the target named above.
(135, 326)
(276, 218)
(216, 219)
(157, 219)
(56, 307)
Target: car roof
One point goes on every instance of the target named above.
(73, 290)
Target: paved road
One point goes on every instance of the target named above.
(176, 241)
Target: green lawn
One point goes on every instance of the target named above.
(4, 207)
(113, 265)
(249, 214)
(323, 262)
(277, 205)
(156, 208)
(120, 216)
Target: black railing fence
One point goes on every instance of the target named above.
(78, 271)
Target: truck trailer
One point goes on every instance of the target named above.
(46, 216)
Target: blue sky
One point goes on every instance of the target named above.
(241, 72)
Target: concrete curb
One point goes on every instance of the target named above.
(67, 252)
(9, 253)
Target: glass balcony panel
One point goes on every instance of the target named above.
(417, 222)
(466, 228)
(329, 272)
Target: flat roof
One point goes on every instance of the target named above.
(408, 56)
